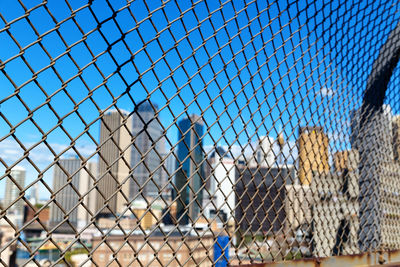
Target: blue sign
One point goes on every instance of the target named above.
(221, 251)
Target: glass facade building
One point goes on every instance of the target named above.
(189, 177)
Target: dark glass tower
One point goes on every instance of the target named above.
(189, 178)
(147, 151)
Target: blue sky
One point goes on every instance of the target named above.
(255, 67)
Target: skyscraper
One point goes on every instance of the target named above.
(34, 194)
(170, 163)
(66, 176)
(12, 193)
(313, 145)
(147, 151)
(189, 178)
(114, 161)
(169, 173)
(222, 183)
(89, 197)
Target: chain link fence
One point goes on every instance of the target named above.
(197, 133)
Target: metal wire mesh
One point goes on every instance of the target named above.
(197, 133)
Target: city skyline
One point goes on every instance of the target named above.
(114, 118)
(290, 152)
(89, 150)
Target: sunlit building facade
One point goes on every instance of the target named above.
(313, 149)
(114, 162)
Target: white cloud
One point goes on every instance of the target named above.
(11, 151)
(326, 92)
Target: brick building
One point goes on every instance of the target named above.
(154, 251)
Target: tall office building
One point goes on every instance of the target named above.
(34, 194)
(189, 178)
(147, 152)
(264, 154)
(114, 161)
(208, 169)
(16, 211)
(313, 145)
(168, 174)
(88, 192)
(66, 176)
(170, 163)
(222, 181)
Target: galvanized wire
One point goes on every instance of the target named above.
(146, 133)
